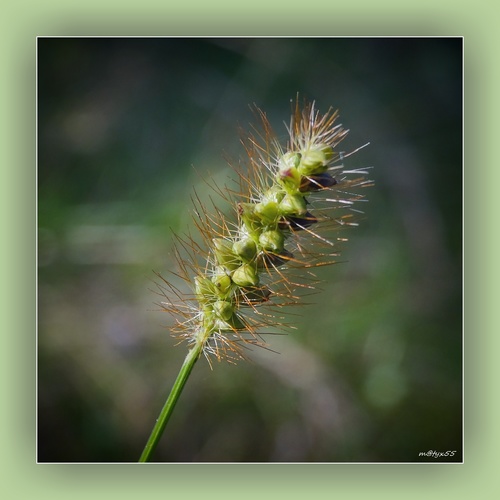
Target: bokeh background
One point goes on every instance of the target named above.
(127, 127)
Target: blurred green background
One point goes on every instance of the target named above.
(374, 371)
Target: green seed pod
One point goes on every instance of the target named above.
(274, 193)
(288, 174)
(246, 275)
(223, 309)
(223, 250)
(246, 249)
(289, 160)
(222, 283)
(247, 213)
(293, 205)
(272, 241)
(315, 160)
(205, 290)
(267, 211)
(289, 179)
(246, 209)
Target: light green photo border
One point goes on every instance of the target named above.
(22, 22)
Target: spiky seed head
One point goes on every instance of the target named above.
(280, 198)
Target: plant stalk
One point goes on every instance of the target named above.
(169, 406)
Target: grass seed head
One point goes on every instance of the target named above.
(291, 204)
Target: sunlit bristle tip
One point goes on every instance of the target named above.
(292, 204)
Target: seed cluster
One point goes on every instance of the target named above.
(248, 264)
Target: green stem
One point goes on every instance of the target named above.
(169, 406)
